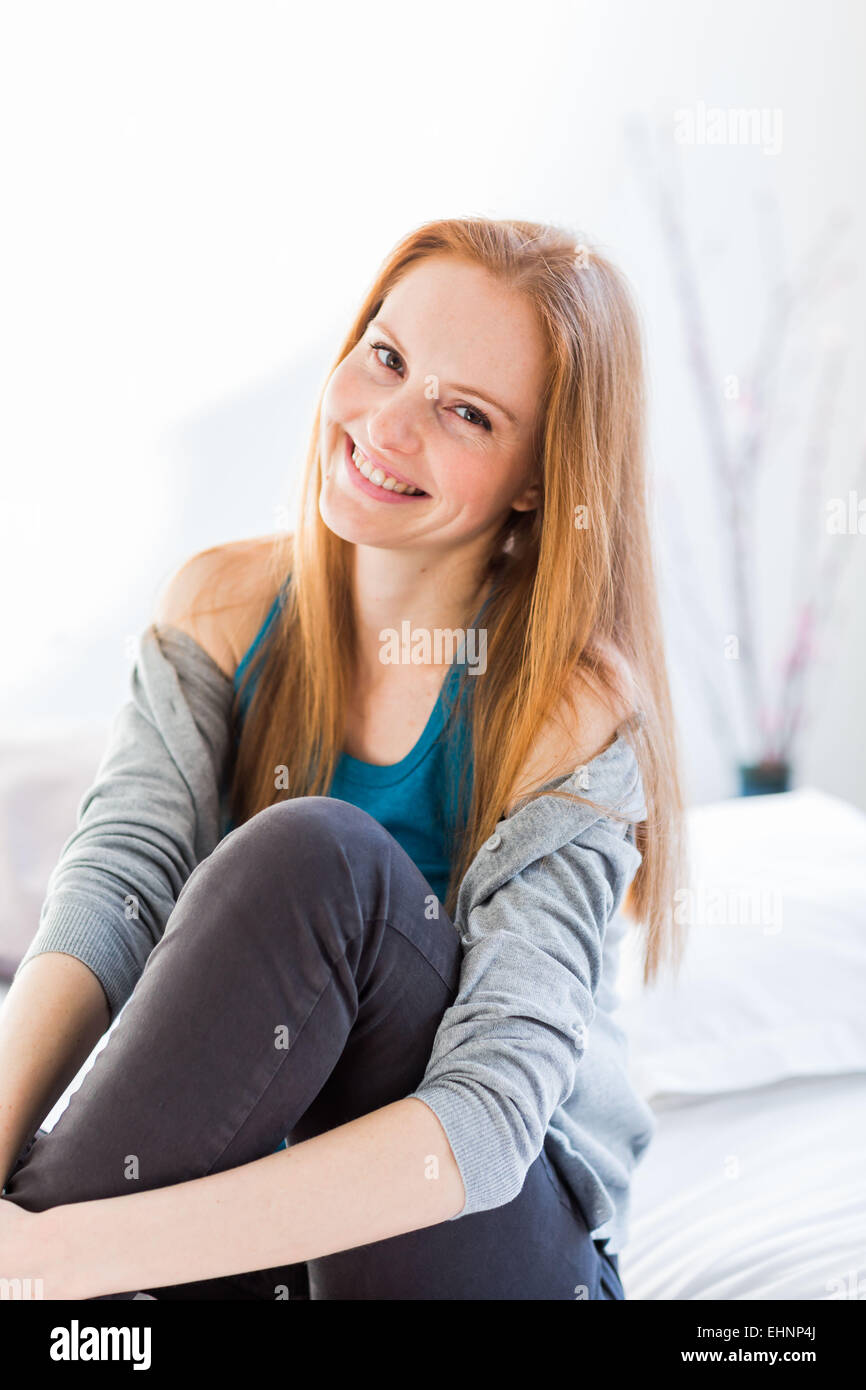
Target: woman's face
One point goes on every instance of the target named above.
(441, 391)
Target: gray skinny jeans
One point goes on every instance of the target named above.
(309, 915)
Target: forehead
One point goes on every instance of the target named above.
(459, 322)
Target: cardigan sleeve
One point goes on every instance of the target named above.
(151, 814)
(507, 1049)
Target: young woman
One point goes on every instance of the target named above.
(459, 1119)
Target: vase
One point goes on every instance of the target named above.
(762, 779)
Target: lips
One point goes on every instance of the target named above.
(384, 468)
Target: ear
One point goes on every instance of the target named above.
(528, 499)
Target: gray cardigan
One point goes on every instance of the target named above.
(529, 1049)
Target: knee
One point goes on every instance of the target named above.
(282, 858)
(306, 830)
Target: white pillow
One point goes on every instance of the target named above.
(773, 978)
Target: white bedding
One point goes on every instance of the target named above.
(754, 1061)
(757, 1194)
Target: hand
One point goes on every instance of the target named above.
(35, 1261)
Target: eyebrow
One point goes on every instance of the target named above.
(467, 390)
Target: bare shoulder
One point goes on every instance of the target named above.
(598, 709)
(220, 597)
(584, 724)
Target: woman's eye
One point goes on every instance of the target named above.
(481, 421)
(383, 347)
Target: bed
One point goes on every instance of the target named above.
(754, 1063)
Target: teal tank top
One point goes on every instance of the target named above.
(412, 798)
(415, 798)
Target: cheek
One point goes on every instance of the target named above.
(343, 393)
(472, 482)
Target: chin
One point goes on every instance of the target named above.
(339, 516)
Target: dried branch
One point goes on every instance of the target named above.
(736, 468)
(726, 474)
(826, 590)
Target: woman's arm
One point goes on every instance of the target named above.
(51, 1020)
(142, 826)
(384, 1174)
(148, 818)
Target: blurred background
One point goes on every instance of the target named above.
(198, 194)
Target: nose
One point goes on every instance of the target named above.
(396, 424)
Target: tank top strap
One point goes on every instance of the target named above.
(254, 646)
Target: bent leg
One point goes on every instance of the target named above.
(299, 984)
(300, 919)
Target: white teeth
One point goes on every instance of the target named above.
(375, 475)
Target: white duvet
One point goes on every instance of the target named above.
(754, 1194)
(754, 1061)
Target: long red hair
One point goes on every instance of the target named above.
(563, 592)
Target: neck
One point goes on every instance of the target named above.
(393, 587)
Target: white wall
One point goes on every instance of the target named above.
(201, 193)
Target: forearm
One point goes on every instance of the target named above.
(51, 1019)
(384, 1174)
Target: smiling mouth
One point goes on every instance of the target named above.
(379, 478)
